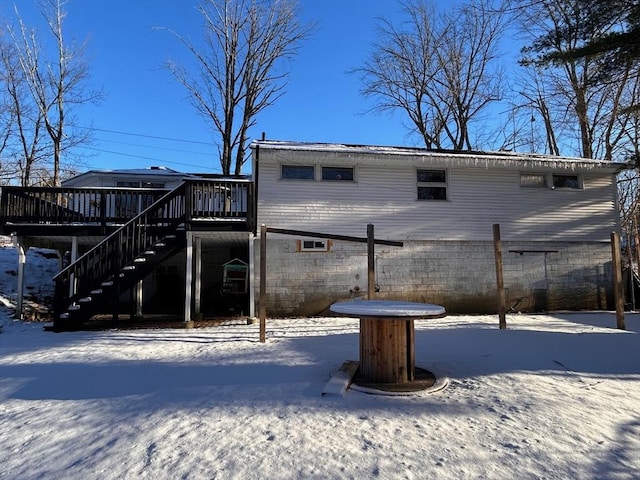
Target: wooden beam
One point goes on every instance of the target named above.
(341, 379)
(331, 236)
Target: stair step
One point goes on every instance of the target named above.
(139, 260)
(97, 291)
(150, 252)
(129, 267)
(73, 307)
(85, 300)
(160, 244)
(108, 283)
(64, 316)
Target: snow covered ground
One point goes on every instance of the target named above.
(554, 396)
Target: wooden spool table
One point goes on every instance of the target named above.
(387, 342)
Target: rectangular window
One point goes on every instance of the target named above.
(298, 172)
(566, 181)
(344, 174)
(533, 180)
(313, 245)
(432, 184)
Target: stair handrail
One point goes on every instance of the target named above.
(74, 268)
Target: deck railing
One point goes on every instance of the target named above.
(109, 206)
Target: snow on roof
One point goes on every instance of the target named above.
(129, 172)
(164, 171)
(469, 158)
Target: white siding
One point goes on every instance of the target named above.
(385, 195)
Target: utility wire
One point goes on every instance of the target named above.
(154, 159)
(154, 147)
(145, 135)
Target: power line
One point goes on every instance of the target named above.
(146, 136)
(150, 158)
(155, 147)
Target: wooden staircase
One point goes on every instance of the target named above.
(94, 282)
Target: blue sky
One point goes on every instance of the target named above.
(145, 118)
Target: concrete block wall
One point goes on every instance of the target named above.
(457, 274)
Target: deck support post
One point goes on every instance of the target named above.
(188, 322)
(73, 287)
(262, 301)
(252, 276)
(22, 259)
(137, 299)
(197, 285)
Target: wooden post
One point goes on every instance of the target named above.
(497, 247)
(632, 295)
(618, 291)
(262, 307)
(371, 263)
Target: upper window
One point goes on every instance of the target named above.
(548, 180)
(533, 180)
(298, 172)
(432, 184)
(344, 174)
(565, 181)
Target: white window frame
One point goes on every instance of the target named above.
(444, 184)
(549, 178)
(306, 165)
(313, 245)
(578, 185)
(344, 167)
(544, 176)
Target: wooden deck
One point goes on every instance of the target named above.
(130, 232)
(46, 212)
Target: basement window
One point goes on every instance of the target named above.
(313, 245)
(432, 184)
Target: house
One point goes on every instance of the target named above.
(190, 243)
(555, 216)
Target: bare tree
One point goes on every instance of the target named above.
(56, 85)
(23, 139)
(239, 71)
(440, 68)
(586, 101)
